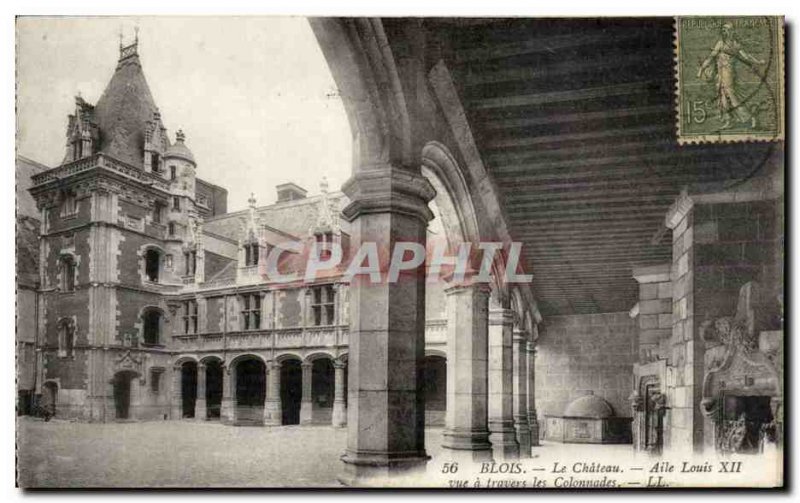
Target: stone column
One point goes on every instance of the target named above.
(339, 416)
(200, 409)
(226, 407)
(177, 393)
(501, 385)
(386, 409)
(533, 420)
(466, 432)
(273, 410)
(306, 405)
(520, 364)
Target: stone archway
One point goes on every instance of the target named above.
(291, 391)
(214, 387)
(188, 389)
(250, 389)
(434, 385)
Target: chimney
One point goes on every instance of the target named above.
(290, 192)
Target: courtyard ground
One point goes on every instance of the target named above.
(190, 453)
(178, 454)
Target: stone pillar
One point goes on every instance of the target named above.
(501, 385)
(466, 432)
(200, 409)
(386, 408)
(306, 405)
(273, 410)
(226, 407)
(520, 365)
(533, 420)
(339, 416)
(177, 393)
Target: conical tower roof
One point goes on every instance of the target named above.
(124, 109)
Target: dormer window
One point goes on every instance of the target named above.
(251, 254)
(155, 162)
(69, 203)
(324, 244)
(77, 149)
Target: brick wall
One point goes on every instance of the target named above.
(578, 353)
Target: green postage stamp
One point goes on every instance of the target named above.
(730, 79)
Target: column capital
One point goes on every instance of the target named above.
(338, 364)
(520, 335)
(468, 283)
(501, 316)
(388, 189)
(306, 365)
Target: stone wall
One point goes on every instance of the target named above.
(717, 248)
(579, 353)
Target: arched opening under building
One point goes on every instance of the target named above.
(188, 388)
(322, 387)
(291, 391)
(152, 264)
(434, 387)
(49, 398)
(122, 394)
(250, 391)
(213, 389)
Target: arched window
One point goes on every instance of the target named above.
(67, 271)
(151, 320)
(152, 265)
(66, 338)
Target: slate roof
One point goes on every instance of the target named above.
(123, 110)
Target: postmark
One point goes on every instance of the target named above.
(730, 79)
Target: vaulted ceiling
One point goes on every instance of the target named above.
(575, 122)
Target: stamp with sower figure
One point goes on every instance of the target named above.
(730, 79)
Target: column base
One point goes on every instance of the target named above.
(273, 414)
(534, 427)
(382, 469)
(467, 445)
(200, 409)
(339, 414)
(226, 411)
(523, 430)
(306, 414)
(503, 438)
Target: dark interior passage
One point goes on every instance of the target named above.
(291, 391)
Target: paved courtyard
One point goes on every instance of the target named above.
(209, 454)
(179, 454)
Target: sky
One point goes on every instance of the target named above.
(253, 95)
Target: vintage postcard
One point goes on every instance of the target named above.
(467, 253)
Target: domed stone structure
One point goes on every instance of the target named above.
(589, 405)
(588, 419)
(179, 150)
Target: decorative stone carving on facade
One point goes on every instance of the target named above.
(130, 362)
